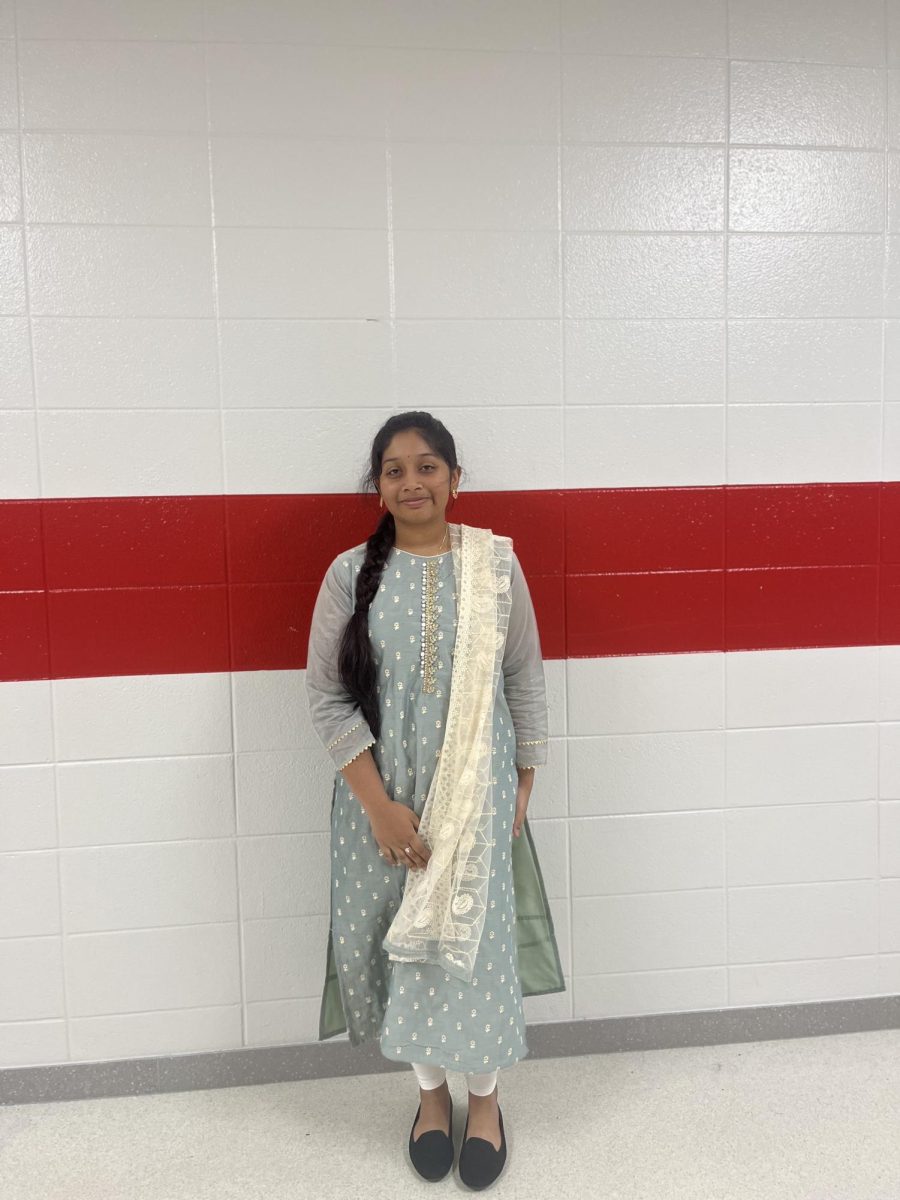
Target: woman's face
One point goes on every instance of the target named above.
(411, 471)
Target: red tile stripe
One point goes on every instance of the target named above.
(156, 585)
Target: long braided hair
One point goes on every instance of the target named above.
(356, 663)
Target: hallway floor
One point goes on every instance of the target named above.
(803, 1119)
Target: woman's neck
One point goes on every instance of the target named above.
(424, 541)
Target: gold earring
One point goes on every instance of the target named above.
(380, 501)
(455, 494)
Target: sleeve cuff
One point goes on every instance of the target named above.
(532, 753)
(350, 744)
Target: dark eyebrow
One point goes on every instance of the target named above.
(424, 453)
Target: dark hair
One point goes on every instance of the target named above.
(356, 662)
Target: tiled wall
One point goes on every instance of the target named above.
(642, 245)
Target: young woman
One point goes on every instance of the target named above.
(426, 686)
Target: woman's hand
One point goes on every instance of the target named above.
(523, 793)
(394, 826)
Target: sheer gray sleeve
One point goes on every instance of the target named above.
(336, 717)
(523, 675)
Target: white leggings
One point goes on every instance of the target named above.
(431, 1077)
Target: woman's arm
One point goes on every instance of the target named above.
(523, 677)
(336, 717)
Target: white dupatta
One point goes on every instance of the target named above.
(441, 916)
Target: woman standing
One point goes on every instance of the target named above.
(426, 685)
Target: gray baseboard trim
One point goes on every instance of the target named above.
(336, 1057)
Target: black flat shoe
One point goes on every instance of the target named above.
(479, 1163)
(432, 1151)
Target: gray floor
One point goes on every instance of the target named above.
(804, 1119)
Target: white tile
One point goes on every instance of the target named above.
(893, 33)
(9, 102)
(550, 793)
(795, 104)
(316, 273)
(645, 445)
(29, 894)
(632, 994)
(113, 178)
(26, 726)
(27, 807)
(471, 95)
(159, 799)
(644, 27)
(815, 764)
(474, 274)
(642, 99)
(33, 1043)
(893, 130)
(7, 19)
(478, 362)
(478, 24)
(644, 275)
(16, 389)
(130, 453)
(770, 443)
(647, 852)
(889, 832)
(646, 693)
(128, 716)
(802, 921)
(144, 1035)
(888, 683)
(188, 882)
(139, 970)
(804, 361)
(892, 362)
(555, 681)
(801, 843)
(816, 191)
(644, 361)
(285, 956)
(110, 271)
(889, 762)
(805, 275)
(798, 982)
(33, 990)
(271, 712)
(306, 364)
(283, 1022)
(124, 362)
(281, 791)
(12, 271)
(892, 277)
(651, 188)
(10, 191)
(660, 931)
(290, 181)
(172, 20)
(317, 91)
(646, 772)
(812, 30)
(135, 86)
(891, 461)
(466, 185)
(889, 903)
(285, 876)
(269, 450)
(18, 455)
(801, 687)
(893, 191)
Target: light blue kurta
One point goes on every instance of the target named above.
(418, 1011)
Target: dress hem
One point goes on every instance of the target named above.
(411, 1052)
